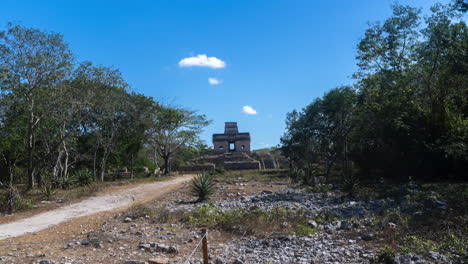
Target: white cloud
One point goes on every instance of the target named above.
(248, 110)
(214, 81)
(202, 60)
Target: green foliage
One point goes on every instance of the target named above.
(174, 129)
(23, 204)
(84, 177)
(9, 199)
(66, 182)
(326, 216)
(137, 210)
(202, 186)
(253, 221)
(55, 113)
(406, 115)
(304, 230)
(386, 255)
(48, 191)
(350, 184)
(319, 188)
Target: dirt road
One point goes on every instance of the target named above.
(110, 201)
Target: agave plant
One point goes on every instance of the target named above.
(48, 191)
(296, 174)
(202, 186)
(350, 184)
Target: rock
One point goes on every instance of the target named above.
(237, 261)
(312, 224)
(46, 261)
(157, 261)
(219, 261)
(344, 225)
(368, 237)
(127, 219)
(441, 204)
(145, 245)
(135, 262)
(434, 255)
(172, 250)
(162, 248)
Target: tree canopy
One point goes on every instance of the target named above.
(59, 117)
(406, 115)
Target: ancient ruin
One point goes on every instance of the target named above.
(231, 141)
(231, 151)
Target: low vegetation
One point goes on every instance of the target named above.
(202, 186)
(250, 221)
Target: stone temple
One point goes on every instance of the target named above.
(231, 140)
(231, 151)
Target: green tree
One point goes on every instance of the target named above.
(173, 128)
(32, 61)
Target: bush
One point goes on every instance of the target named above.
(10, 199)
(202, 186)
(386, 256)
(137, 210)
(250, 221)
(66, 182)
(48, 191)
(350, 184)
(84, 177)
(296, 174)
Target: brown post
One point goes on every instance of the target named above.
(205, 246)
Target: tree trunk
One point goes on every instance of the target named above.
(10, 171)
(65, 165)
(94, 164)
(167, 165)
(103, 165)
(30, 148)
(131, 165)
(58, 166)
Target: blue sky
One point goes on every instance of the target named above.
(277, 55)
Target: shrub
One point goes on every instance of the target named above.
(350, 184)
(386, 256)
(84, 177)
(10, 200)
(319, 188)
(202, 186)
(303, 230)
(296, 174)
(250, 221)
(137, 210)
(48, 191)
(66, 182)
(23, 204)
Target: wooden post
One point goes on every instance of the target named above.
(205, 246)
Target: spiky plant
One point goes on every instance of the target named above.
(48, 191)
(296, 174)
(202, 186)
(350, 184)
(84, 177)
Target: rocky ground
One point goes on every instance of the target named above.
(319, 226)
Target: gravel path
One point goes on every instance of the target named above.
(107, 202)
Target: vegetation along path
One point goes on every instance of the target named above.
(106, 202)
